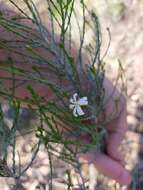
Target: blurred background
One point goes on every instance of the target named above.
(125, 21)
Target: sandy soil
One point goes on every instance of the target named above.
(125, 20)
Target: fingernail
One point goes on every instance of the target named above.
(125, 178)
(124, 188)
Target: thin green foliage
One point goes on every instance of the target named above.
(61, 72)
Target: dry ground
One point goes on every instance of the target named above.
(125, 20)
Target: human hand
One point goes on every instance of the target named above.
(111, 163)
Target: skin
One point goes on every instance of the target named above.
(110, 163)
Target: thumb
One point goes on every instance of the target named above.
(108, 167)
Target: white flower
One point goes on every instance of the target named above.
(76, 103)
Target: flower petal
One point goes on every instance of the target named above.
(75, 97)
(71, 100)
(83, 101)
(71, 106)
(75, 112)
(79, 111)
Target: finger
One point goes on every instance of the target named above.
(109, 167)
(120, 107)
(113, 144)
(117, 130)
(117, 127)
